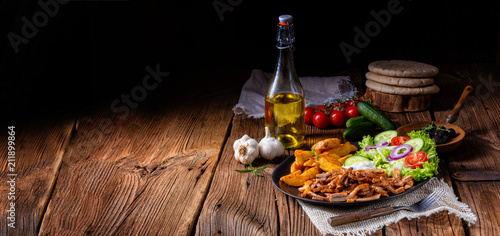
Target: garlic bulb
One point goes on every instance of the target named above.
(270, 147)
(246, 149)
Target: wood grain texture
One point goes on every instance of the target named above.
(438, 224)
(39, 151)
(483, 199)
(398, 103)
(480, 150)
(239, 204)
(145, 173)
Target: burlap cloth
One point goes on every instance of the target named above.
(319, 214)
(317, 90)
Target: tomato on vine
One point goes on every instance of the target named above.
(338, 118)
(308, 115)
(352, 112)
(320, 120)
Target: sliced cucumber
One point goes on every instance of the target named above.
(416, 143)
(354, 159)
(385, 136)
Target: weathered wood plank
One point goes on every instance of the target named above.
(238, 204)
(39, 150)
(147, 173)
(480, 150)
(483, 199)
(438, 224)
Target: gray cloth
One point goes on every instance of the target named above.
(319, 214)
(317, 90)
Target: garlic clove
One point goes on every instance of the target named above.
(245, 149)
(270, 147)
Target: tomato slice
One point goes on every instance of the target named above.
(414, 160)
(398, 140)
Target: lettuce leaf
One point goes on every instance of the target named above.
(430, 168)
(367, 140)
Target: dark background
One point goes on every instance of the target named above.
(93, 51)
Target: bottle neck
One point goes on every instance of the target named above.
(285, 36)
(284, 42)
(285, 61)
(285, 79)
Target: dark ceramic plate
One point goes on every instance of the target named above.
(284, 169)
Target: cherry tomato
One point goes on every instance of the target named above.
(413, 160)
(352, 112)
(352, 103)
(320, 108)
(308, 115)
(338, 118)
(321, 120)
(398, 140)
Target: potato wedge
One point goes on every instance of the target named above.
(353, 148)
(302, 156)
(325, 145)
(341, 150)
(311, 163)
(298, 179)
(294, 167)
(329, 161)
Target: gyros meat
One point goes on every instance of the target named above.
(348, 185)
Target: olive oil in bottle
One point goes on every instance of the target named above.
(285, 103)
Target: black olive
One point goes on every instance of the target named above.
(446, 138)
(439, 133)
(452, 132)
(440, 140)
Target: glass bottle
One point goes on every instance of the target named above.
(285, 103)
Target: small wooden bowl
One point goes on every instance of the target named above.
(441, 148)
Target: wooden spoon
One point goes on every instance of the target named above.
(455, 142)
(453, 115)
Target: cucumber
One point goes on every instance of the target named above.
(416, 143)
(354, 159)
(355, 133)
(372, 114)
(356, 121)
(385, 136)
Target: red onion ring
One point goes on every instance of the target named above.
(395, 155)
(369, 147)
(382, 144)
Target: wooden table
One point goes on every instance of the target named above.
(167, 168)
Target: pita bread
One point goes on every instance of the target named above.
(402, 82)
(401, 68)
(432, 89)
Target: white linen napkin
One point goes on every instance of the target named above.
(317, 90)
(319, 215)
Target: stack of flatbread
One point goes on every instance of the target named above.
(401, 77)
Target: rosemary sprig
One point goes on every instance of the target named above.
(314, 154)
(254, 171)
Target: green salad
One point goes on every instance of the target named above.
(413, 155)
